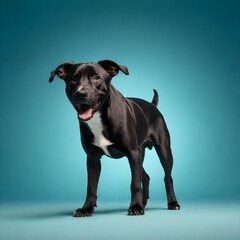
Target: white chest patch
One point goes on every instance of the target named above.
(95, 124)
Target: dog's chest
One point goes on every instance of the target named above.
(96, 127)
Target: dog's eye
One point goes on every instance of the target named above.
(96, 78)
(72, 80)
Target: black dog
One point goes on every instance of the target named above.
(116, 126)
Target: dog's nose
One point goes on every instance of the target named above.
(80, 95)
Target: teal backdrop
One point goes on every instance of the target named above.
(188, 50)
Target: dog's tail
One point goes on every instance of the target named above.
(155, 98)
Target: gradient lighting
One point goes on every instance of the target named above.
(188, 50)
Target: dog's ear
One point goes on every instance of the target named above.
(113, 68)
(61, 71)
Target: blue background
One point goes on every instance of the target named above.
(188, 50)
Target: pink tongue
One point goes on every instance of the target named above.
(86, 115)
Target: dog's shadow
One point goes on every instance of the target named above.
(40, 215)
(69, 213)
(109, 211)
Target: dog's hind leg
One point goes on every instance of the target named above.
(163, 149)
(145, 185)
(145, 176)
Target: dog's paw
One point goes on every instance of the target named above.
(135, 210)
(83, 212)
(173, 205)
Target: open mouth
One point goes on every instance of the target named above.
(86, 112)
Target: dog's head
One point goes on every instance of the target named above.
(87, 84)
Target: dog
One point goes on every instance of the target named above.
(115, 126)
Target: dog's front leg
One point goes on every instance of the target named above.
(93, 170)
(136, 206)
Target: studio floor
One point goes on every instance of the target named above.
(30, 221)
